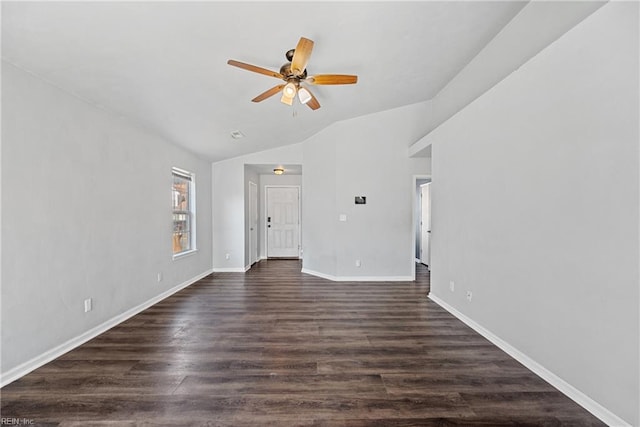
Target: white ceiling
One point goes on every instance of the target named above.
(163, 64)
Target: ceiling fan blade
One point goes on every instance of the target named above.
(301, 56)
(332, 79)
(255, 69)
(313, 102)
(268, 93)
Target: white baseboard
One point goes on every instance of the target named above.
(52, 354)
(570, 391)
(231, 270)
(358, 278)
(318, 274)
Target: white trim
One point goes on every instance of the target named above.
(184, 254)
(564, 387)
(185, 173)
(318, 274)
(358, 278)
(52, 354)
(231, 270)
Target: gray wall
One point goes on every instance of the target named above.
(536, 209)
(319, 219)
(365, 156)
(86, 213)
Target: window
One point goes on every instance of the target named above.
(183, 195)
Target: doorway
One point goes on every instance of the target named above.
(282, 221)
(253, 223)
(417, 242)
(425, 224)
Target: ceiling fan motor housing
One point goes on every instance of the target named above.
(286, 71)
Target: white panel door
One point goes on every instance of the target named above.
(253, 223)
(283, 225)
(425, 256)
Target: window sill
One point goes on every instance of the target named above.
(184, 254)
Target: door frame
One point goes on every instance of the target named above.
(251, 242)
(266, 212)
(422, 225)
(415, 202)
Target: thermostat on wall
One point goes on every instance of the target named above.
(361, 200)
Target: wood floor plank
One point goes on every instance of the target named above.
(462, 381)
(274, 346)
(38, 384)
(364, 386)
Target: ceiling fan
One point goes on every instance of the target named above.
(294, 73)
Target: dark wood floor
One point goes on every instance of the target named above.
(277, 347)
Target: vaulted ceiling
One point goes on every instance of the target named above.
(163, 65)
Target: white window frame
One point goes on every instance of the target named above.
(191, 210)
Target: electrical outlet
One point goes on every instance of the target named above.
(452, 285)
(469, 295)
(88, 305)
(358, 263)
(227, 256)
(159, 277)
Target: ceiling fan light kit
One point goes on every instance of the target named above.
(293, 73)
(288, 93)
(304, 95)
(289, 90)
